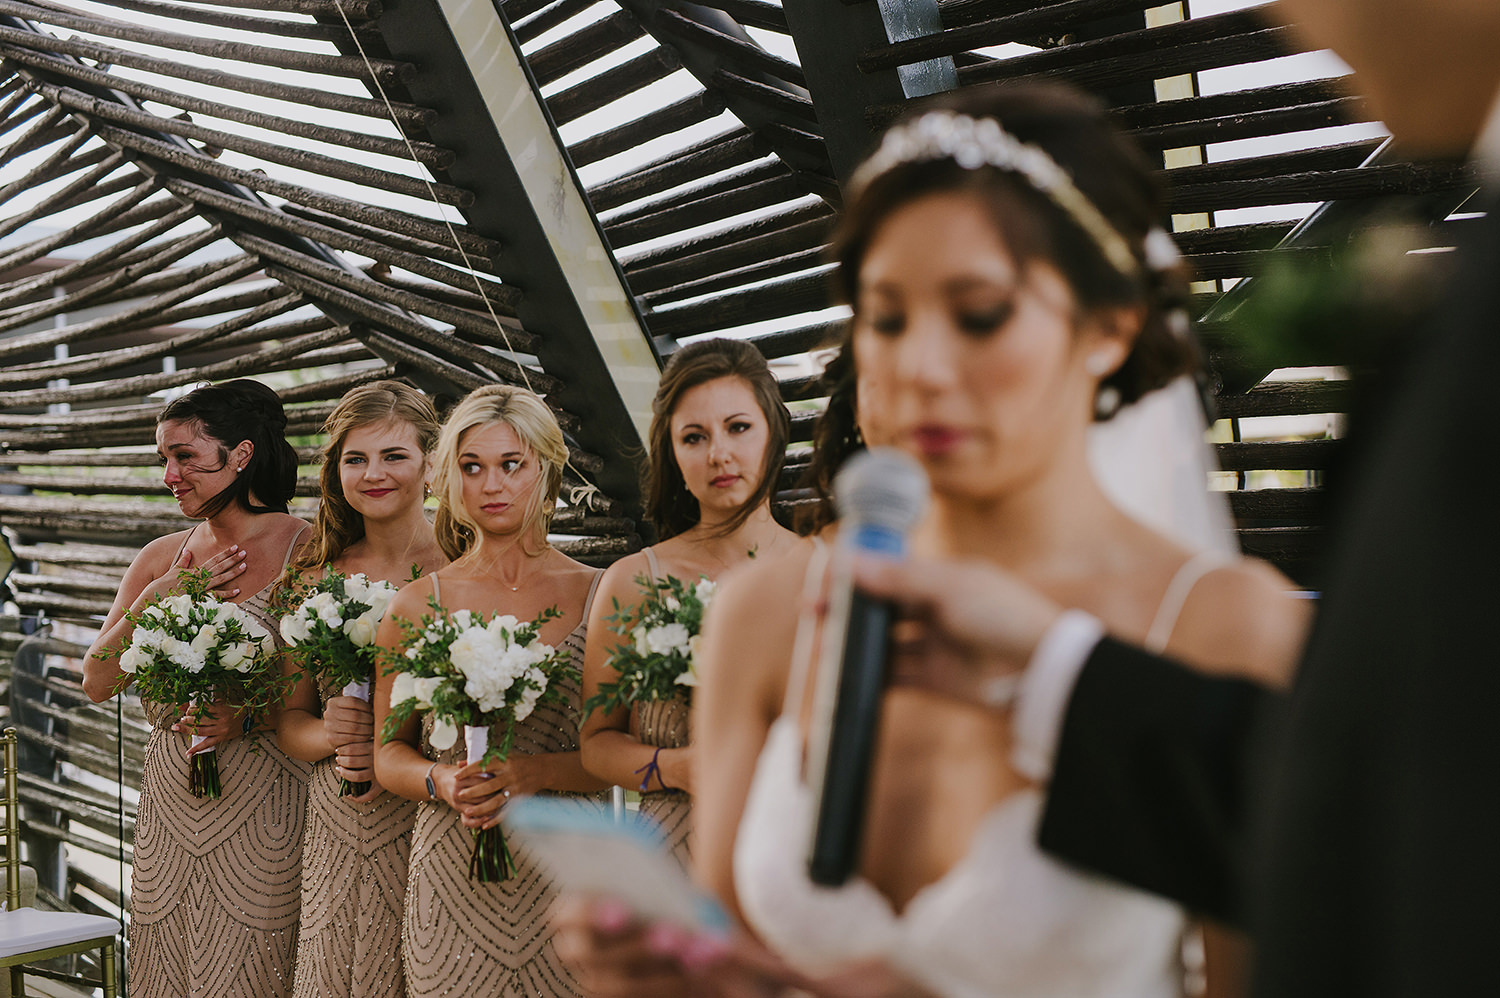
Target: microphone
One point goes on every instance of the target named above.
(880, 494)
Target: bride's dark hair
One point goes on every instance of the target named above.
(1105, 167)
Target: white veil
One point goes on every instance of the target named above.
(1153, 460)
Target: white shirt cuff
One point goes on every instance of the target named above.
(1046, 688)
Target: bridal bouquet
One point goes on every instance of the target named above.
(191, 648)
(477, 674)
(331, 636)
(657, 662)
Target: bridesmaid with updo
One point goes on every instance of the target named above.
(216, 883)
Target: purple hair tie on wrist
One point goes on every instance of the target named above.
(653, 768)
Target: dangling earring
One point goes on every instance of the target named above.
(426, 491)
(1106, 401)
(1097, 364)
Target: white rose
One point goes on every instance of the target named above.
(705, 590)
(672, 603)
(506, 623)
(377, 599)
(403, 688)
(132, 658)
(695, 648)
(641, 645)
(667, 638)
(179, 604)
(148, 638)
(205, 639)
(292, 629)
(423, 688)
(359, 631)
(463, 619)
(444, 735)
(687, 677)
(233, 655)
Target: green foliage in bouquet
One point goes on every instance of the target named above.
(190, 648)
(656, 662)
(329, 627)
(473, 671)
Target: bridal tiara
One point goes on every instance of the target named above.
(975, 142)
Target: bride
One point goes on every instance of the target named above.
(1010, 287)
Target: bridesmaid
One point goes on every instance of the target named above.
(718, 440)
(370, 521)
(499, 468)
(216, 883)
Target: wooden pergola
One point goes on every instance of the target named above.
(555, 193)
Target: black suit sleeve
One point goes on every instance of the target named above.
(1149, 781)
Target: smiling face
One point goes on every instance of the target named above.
(499, 477)
(196, 467)
(381, 469)
(970, 363)
(719, 438)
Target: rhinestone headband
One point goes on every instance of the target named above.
(975, 142)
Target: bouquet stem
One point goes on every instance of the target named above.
(358, 788)
(203, 775)
(491, 861)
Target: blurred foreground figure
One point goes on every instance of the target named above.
(1360, 844)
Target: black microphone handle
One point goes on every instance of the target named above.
(851, 741)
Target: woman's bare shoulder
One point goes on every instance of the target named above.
(762, 597)
(157, 556)
(411, 601)
(1247, 618)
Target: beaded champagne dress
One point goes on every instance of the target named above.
(664, 724)
(463, 937)
(216, 884)
(353, 887)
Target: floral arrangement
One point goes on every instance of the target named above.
(477, 674)
(657, 663)
(331, 635)
(191, 648)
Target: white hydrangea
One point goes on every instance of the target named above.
(668, 638)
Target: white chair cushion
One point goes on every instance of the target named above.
(27, 930)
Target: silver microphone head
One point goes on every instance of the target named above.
(882, 488)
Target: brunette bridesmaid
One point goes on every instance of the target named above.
(718, 441)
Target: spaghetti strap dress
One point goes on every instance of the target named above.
(353, 887)
(216, 884)
(463, 937)
(1008, 921)
(664, 724)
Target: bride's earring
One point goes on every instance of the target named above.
(1106, 401)
(1098, 364)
